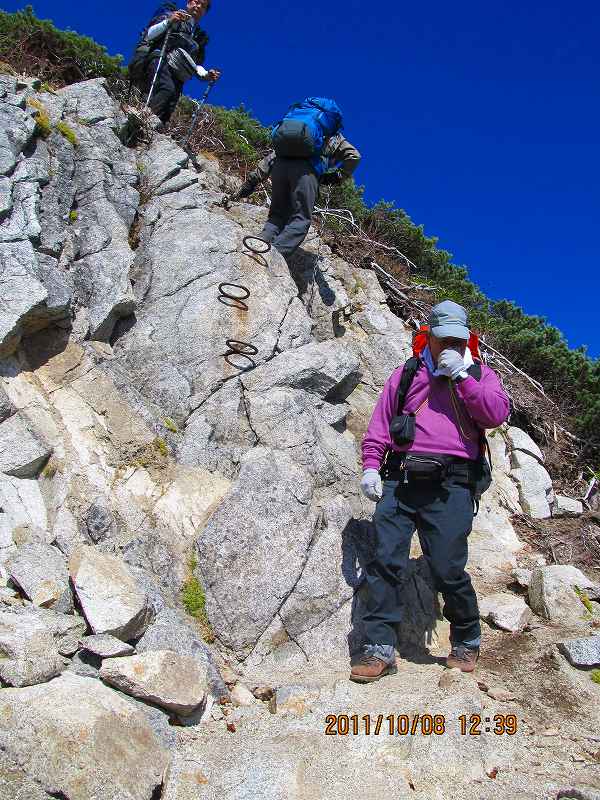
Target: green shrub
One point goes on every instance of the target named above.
(73, 216)
(68, 133)
(36, 47)
(170, 425)
(193, 598)
(596, 675)
(43, 127)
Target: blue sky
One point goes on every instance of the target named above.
(481, 120)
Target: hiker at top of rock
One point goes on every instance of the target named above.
(183, 57)
(309, 151)
(425, 465)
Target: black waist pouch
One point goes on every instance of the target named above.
(403, 429)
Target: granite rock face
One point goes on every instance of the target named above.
(135, 452)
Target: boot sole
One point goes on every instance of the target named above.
(391, 670)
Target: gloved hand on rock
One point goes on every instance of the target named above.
(248, 187)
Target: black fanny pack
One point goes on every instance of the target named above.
(436, 468)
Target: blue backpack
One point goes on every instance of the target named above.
(304, 130)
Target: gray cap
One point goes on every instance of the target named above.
(449, 320)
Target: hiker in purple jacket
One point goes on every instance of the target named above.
(426, 474)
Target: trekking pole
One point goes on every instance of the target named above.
(199, 105)
(161, 58)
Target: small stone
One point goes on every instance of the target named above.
(522, 576)
(106, 646)
(292, 700)
(582, 652)
(454, 679)
(551, 732)
(100, 522)
(228, 675)
(263, 692)
(566, 507)
(85, 664)
(509, 612)
(242, 696)
(501, 694)
(68, 646)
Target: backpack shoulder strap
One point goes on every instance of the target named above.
(475, 372)
(411, 368)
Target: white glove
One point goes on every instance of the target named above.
(451, 364)
(371, 485)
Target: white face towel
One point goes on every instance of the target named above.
(428, 359)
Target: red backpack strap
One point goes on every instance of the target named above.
(420, 340)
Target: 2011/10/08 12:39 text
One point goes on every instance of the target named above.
(418, 725)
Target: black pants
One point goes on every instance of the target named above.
(167, 90)
(443, 515)
(295, 189)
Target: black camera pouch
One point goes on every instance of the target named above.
(403, 429)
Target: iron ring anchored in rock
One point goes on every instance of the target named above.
(234, 300)
(257, 253)
(236, 347)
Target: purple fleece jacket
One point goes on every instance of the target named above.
(482, 404)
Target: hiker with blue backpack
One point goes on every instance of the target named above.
(170, 51)
(425, 460)
(308, 151)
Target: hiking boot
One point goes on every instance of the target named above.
(463, 658)
(369, 668)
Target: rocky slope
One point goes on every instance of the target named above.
(132, 451)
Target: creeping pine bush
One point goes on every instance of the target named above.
(36, 47)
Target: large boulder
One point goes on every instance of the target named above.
(109, 594)
(327, 369)
(77, 738)
(535, 484)
(171, 631)
(164, 678)
(16, 785)
(519, 440)
(254, 548)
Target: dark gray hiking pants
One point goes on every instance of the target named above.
(442, 513)
(167, 90)
(295, 189)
